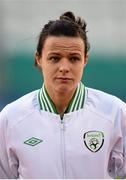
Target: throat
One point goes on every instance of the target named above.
(62, 102)
(61, 110)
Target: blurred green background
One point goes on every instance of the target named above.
(21, 22)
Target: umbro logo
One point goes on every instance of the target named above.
(33, 141)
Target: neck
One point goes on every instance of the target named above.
(61, 100)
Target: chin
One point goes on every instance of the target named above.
(64, 89)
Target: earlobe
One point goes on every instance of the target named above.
(37, 59)
(86, 60)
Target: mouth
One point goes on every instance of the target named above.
(64, 79)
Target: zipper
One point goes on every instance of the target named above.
(63, 147)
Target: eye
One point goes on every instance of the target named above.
(74, 59)
(54, 58)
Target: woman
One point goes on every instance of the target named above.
(63, 130)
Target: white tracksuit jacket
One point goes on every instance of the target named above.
(87, 143)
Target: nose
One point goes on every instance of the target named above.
(64, 66)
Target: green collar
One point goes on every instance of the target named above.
(76, 103)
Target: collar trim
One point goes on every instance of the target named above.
(76, 103)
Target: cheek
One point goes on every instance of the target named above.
(48, 71)
(79, 69)
(80, 73)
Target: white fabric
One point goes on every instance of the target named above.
(62, 152)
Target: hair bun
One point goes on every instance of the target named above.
(81, 23)
(68, 16)
(71, 17)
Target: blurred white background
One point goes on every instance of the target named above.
(21, 21)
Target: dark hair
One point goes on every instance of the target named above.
(66, 25)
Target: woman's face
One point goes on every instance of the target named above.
(62, 62)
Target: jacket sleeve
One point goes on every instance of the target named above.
(7, 167)
(117, 161)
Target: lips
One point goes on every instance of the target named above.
(64, 79)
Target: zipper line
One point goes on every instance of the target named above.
(63, 148)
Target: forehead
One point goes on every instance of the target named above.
(53, 43)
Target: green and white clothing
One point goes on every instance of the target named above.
(89, 142)
(76, 103)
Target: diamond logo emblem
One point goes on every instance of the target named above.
(33, 141)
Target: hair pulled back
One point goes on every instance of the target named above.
(66, 25)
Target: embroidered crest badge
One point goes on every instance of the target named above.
(94, 140)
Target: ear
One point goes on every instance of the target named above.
(37, 59)
(86, 59)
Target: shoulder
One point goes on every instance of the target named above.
(104, 103)
(22, 107)
(102, 97)
(27, 101)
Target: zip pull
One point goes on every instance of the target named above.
(61, 117)
(62, 123)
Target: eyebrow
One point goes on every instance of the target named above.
(74, 54)
(56, 53)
